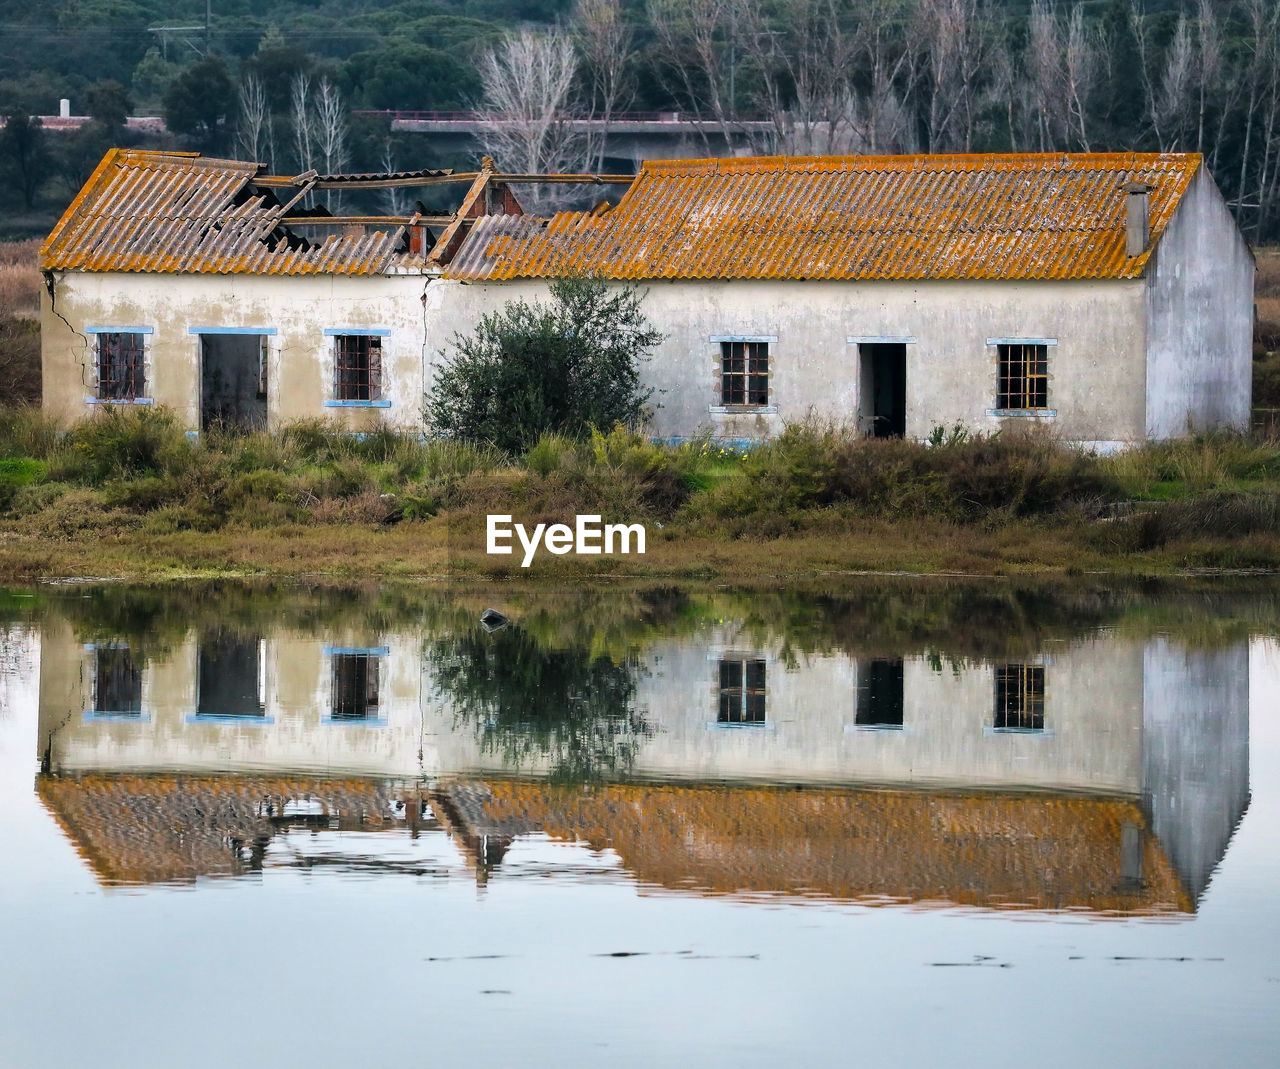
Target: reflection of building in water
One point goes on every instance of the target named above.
(1138, 749)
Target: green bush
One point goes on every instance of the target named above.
(532, 368)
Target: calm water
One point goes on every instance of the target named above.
(910, 822)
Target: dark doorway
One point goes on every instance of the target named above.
(233, 381)
(883, 408)
(879, 694)
(230, 680)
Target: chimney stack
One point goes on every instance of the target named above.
(1137, 220)
(64, 108)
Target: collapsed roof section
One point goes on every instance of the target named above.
(183, 213)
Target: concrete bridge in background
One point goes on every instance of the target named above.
(629, 139)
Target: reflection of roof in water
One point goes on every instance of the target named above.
(988, 850)
(162, 829)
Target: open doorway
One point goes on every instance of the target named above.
(233, 381)
(882, 408)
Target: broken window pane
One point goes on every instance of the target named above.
(121, 371)
(357, 367)
(1023, 377)
(744, 373)
(1019, 697)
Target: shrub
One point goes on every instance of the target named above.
(532, 368)
(123, 442)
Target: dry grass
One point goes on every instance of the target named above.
(19, 280)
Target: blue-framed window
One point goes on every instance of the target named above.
(120, 365)
(1019, 698)
(231, 679)
(117, 683)
(741, 691)
(357, 367)
(356, 684)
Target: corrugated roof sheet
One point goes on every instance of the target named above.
(178, 212)
(1029, 216)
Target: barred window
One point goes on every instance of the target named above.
(744, 372)
(121, 372)
(355, 686)
(741, 691)
(1020, 697)
(357, 367)
(117, 681)
(1023, 376)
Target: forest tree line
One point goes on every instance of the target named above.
(293, 83)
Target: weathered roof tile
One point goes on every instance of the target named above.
(1027, 216)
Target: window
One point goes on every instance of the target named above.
(357, 367)
(1023, 376)
(117, 682)
(879, 694)
(741, 691)
(121, 372)
(355, 686)
(744, 372)
(1020, 697)
(232, 676)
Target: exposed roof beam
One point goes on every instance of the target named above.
(367, 220)
(277, 181)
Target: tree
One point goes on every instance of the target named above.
(528, 103)
(108, 103)
(531, 368)
(199, 101)
(24, 156)
(606, 41)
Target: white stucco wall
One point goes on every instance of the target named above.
(1199, 313)
(1097, 370)
(300, 356)
(1131, 358)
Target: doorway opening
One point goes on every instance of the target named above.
(233, 381)
(882, 409)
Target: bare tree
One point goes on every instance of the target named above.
(528, 107)
(705, 40)
(605, 39)
(252, 137)
(396, 200)
(302, 116)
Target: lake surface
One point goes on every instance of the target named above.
(906, 822)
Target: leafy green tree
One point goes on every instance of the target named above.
(404, 76)
(108, 103)
(151, 77)
(277, 64)
(532, 367)
(568, 707)
(200, 101)
(24, 155)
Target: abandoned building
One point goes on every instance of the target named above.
(1109, 296)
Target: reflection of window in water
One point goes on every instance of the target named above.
(355, 686)
(879, 694)
(1019, 697)
(231, 679)
(117, 681)
(741, 691)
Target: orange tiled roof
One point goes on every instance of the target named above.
(1028, 216)
(1000, 851)
(180, 212)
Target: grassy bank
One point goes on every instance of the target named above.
(127, 493)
